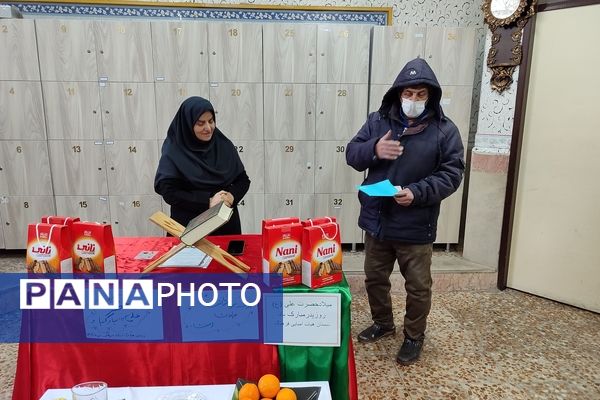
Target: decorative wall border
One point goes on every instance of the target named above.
(197, 11)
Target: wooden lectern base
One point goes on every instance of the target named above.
(176, 229)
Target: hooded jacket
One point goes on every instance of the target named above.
(431, 165)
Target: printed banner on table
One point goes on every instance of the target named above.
(171, 308)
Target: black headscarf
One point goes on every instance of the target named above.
(213, 163)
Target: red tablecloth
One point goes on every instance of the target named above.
(43, 366)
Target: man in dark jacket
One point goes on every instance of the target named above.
(413, 144)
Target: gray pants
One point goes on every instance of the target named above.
(415, 266)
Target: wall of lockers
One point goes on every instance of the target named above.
(85, 106)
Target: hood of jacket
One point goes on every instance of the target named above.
(416, 72)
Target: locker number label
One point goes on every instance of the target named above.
(233, 32)
(342, 93)
(241, 203)
(25, 204)
(236, 92)
(83, 204)
(289, 33)
(452, 36)
(76, 149)
(63, 28)
(340, 149)
(344, 34)
(128, 92)
(136, 203)
(289, 148)
(398, 35)
(132, 149)
(337, 202)
(11, 90)
(182, 92)
(71, 91)
(288, 92)
(19, 149)
(4, 29)
(289, 202)
(240, 149)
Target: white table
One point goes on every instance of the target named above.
(211, 392)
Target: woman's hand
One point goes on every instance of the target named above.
(222, 196)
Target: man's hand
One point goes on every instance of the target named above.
(404, 197)
(387, 148)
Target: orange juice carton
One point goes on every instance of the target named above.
(93, 248)
(282, 249)
(48, 249)
(321, 252)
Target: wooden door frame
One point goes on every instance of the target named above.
(517, 132)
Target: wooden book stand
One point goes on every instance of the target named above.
(176, 229)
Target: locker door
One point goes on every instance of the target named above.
(87, 208)
(124, 51)
(131, 166)
(19, 211)
(25, 168)
(289, 167)
(332, 174)
(451, 54)
(67, 50)
(252, 212)
(180, 52)
(289, 205)
(129, 215)
(343, 53)
(456, 103)
(2, 246)
(238, 109)
(128, 111)
(345, 208)
(397, 43)
(290, 111)
(78, 167)
(73, 110)
(19, 59)
(165, 207)
(21, 110)
(376, 93)
(341, 110)
(289, 53)
(252, 153)
(235, 52)
(449, 219)
(169, 97)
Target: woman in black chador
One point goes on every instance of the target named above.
(199, 166)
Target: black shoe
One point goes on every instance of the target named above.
(410, 351)
(374, 333)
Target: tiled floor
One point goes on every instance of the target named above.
(481, 343)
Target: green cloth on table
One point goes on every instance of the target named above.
(304, 363)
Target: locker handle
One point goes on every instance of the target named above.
(320, 167)
(112, 168)
(89, 51)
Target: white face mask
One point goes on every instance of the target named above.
(412, 109)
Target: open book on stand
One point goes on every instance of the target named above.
(205, 223)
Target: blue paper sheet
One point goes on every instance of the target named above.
(381, 189)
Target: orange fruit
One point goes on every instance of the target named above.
(249, 391)
(286, 394)
(268, 385)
